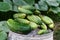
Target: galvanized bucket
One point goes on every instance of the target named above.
(15, 36)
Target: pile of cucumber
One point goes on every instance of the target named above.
(29, 19)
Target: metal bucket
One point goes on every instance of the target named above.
(15, 36)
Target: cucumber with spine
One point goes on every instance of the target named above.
(33, 25)
(25, 10)
(25, 21)
(40, 32)
(43, 26)
(17, 27)
(34, 18)
(51, 26)
(37, 12)
(46, 19)
(19, 15)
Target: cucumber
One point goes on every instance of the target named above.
(40, 32)
(35, 19)
(33, 25)
(25, 21)
(43, 26)
(46, 19)
(25, 10)
(19, 15)
(19, 28)
(37, 12)
(51, 26)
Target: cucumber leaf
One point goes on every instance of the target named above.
(30, 2)
(4, 26)
(58, 1)
(19, 2)
(42, 6)
(37, 6)
(15, 8)
(52, 3)
(23, 2)
(55, 9)
(9, 2)
(3, 35)
(4, 6)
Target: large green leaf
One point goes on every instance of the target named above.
(42, 5)
(30, 2)
(55, 9)
(23, 2)
(4, 26)
(58, 1)
(3, 35)
(4, 6)
(52, 3)
(37, 6)
(19, 2)
(15, 8)
(9, 2)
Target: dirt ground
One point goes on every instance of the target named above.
(57, 32)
